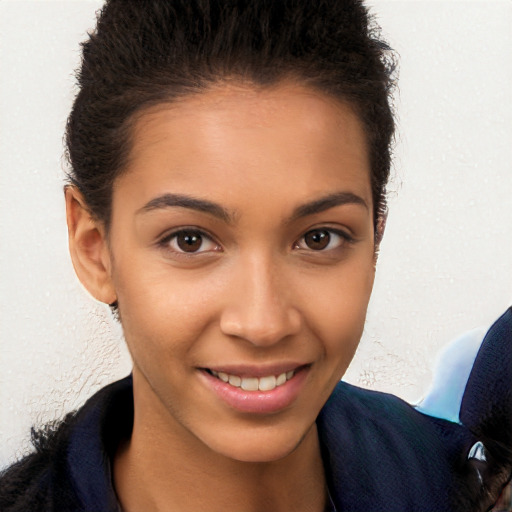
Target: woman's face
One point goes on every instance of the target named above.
(242, 249)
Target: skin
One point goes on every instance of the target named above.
(255, 292)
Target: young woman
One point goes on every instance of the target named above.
(227, 199)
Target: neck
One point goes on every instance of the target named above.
(162, 468)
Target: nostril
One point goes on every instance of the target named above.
(259, 333)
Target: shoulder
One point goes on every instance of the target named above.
(69, 469)
(29, 483)
(381, 454)
(380, 449)
(369, 420)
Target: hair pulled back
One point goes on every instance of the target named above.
(145, 52)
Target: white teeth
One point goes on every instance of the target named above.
(249, 384)
(234, 380)
(222, 376)
(281, 379)
(267, 383)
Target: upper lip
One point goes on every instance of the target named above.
(255, 370)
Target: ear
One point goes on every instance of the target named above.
(88, 248)
(379, 232)
(381, 227)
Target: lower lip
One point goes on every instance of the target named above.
(260, 402)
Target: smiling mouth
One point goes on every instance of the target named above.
(266, 383)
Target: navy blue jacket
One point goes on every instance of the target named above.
(380, 454)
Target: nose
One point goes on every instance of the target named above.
(260, 309)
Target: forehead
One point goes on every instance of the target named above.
(263, 139)
(236, 106)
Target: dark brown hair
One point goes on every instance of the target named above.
(145, 52)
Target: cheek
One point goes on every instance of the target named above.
(162, 310)
(338, 309)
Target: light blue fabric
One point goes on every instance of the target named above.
(451, 375)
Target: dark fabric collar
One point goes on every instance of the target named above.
(371, 444)
(101, 424)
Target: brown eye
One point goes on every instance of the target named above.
(323, 240)
(188, 241)
(317, 240)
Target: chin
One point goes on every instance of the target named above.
(269, 445)
(258, 453)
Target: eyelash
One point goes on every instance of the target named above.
(343, 236)
(167, 240)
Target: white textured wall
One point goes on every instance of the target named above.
(446, 260)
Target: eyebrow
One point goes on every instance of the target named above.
(327, 202)
(203, 205)
(193, 203)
